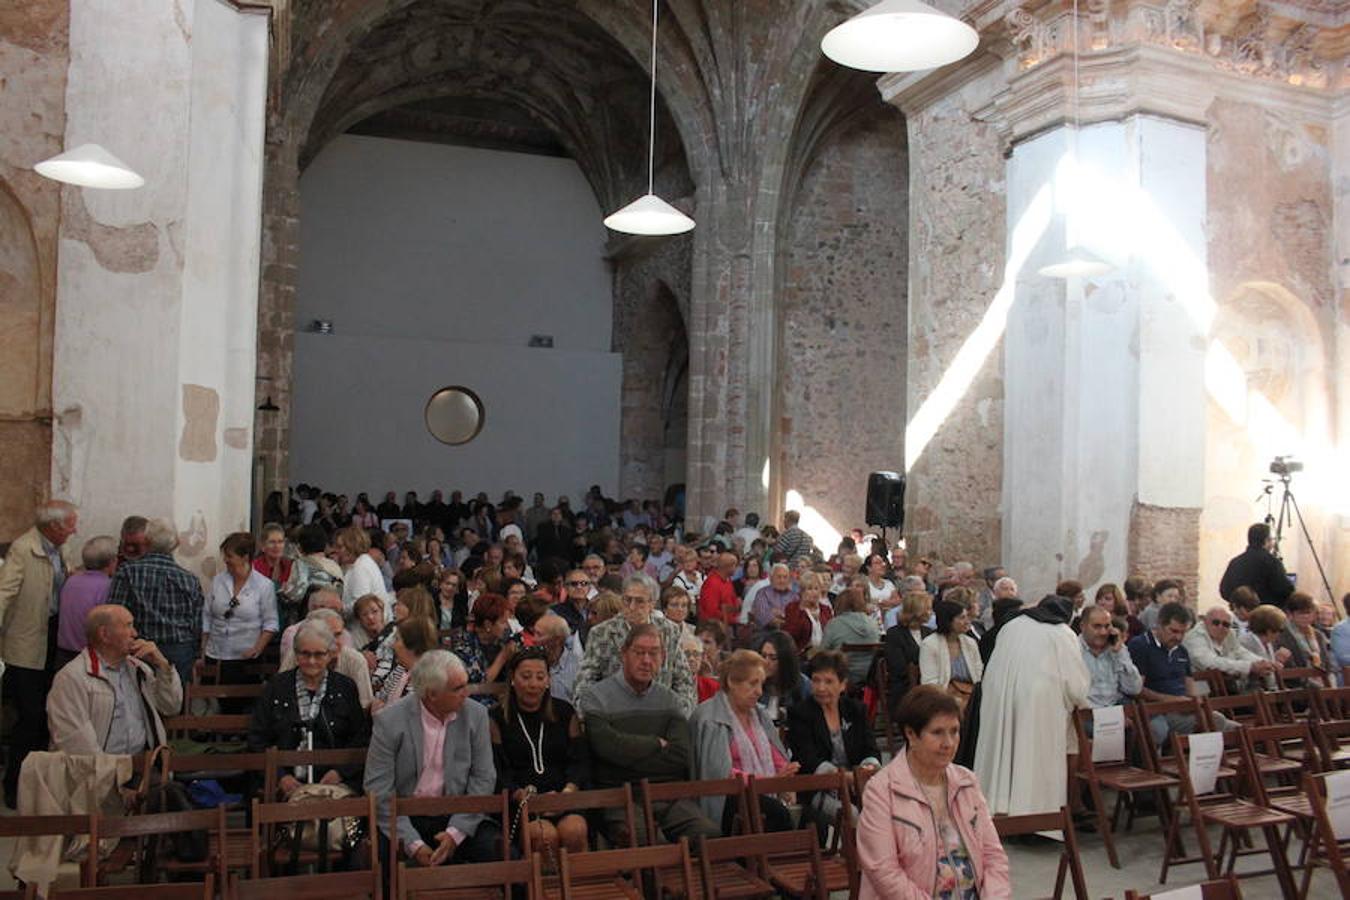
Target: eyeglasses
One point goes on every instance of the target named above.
(229, 610)
(312, 654)
(1221, 623)
(577, 584)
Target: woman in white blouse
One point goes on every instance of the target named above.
(239, 617)
(950, 658)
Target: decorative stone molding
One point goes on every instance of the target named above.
(1278, 43)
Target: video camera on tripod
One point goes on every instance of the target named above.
(1284, 466)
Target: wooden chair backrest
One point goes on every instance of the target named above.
(1274, 740)
(1284, 705)
(595, 864)
(363, 884)
(1330, 737)
(286, 759)
(1232, 741)
(1062, 821)
(653, 792)
(224, 691)
(213, 724)
(51, 826)
(1248, 709)
(1190, 706)
(486, 804)
(1082, 717)
(149, 824)
(489, 689)
(1214, 680)
(1300, 676)
(1332, 703)
(1315, 786)
(268, 815)
(200, 890)
(418, 880)
(755, 851)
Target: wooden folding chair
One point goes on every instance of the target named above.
(204, 890)
(1233, 815)
(881, 680)
(277, 760)
(732, 789)
(266, 850)
(792, 874)
(1325, 847)
(1246, 709)
(1283, 752)
(1120, 776)
(735, 867)
(363, 884)
(469, 881)
(1069, 862)
(1333, 743)
(1332, 704)
(1218, 889)
(140, 846)
(497, 805)
(620, 798)
(229, 729)
(632, 873)
(1145, 712)
(1305, 676)
(53, 827)
(1214, 680)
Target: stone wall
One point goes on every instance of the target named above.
(651, 302)
(34, 54)
(1165, 543)
(956, 251)
(842, 310)
(1272, 264)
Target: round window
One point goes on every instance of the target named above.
(454, 415)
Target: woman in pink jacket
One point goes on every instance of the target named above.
(925, 830)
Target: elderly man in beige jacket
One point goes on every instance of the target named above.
(110, 698)
(30, 589)
(1213, 644)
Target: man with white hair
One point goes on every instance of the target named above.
(164, 598)
(110, 697)
(325, 609)
(603, 658)
(433, 744)
(771, 602)
(1213, 644)
(38, 563)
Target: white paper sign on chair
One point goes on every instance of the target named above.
(1338, 804)
(1189, 892)
(1206, 754)
(1108, 734)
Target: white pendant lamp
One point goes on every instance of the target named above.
(649, 214)
(1078, 262)
(89, 165)
(899, 36)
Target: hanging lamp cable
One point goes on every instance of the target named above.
(651, 108)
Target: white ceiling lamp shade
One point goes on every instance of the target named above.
(899, 36)
(1077, 263)
(90, 165)
(650, 215)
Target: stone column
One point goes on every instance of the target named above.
(157, 288)
(1104, 376)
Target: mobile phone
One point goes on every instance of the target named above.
(1112, 637)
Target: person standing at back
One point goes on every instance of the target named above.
(1259, 569)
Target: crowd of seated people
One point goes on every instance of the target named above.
(541, 649)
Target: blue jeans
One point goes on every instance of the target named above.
(181, 657)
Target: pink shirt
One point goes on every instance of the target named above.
(431, 783)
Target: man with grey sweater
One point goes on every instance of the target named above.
(637, 729)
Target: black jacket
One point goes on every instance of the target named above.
(341, 721)
(553, 541)
(1260, 570)
(809, 737)
(901, 651)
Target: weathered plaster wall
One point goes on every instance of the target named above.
(157, 286)
(957, 235)
(1272, 254)
(843, 309)
(34, 54)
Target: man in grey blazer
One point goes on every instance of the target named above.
(434, 725)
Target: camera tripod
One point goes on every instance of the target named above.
(1288, 514)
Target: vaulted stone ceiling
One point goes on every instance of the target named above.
(529, 75)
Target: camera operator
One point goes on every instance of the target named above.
(1259, 569)
(1115, 677)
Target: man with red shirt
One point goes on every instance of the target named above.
(717, 599)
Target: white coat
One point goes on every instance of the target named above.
(1035, 679)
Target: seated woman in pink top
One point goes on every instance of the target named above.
(733, 735)
(925, 829)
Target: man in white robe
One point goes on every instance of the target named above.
(1032, 683)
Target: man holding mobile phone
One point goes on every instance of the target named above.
(1114, 674)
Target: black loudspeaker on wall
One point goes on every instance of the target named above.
(886, 500)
